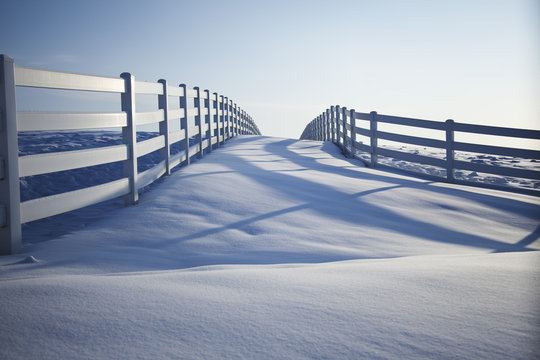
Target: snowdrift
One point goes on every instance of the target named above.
(278, 248)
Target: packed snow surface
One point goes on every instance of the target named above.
(273, 248)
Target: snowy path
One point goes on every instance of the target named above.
(277, 248)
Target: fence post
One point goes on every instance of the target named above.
(231, 118)
(241, 125)
(242, 130)
(323, 126)
(198, 121)
(221, 119)
(450, 150)
(328, 136)
(353, 133)
(345, 149)
(208, 119)
(227, 118)
(319, 128)
(332, 125)
(163, 103)
(338, 126)
(373, 138)
(242, 122)
(10, 201)
(241, 119)
(235, 119)
(184, 123)
(129, 137)
(222, 108)
(216, 101)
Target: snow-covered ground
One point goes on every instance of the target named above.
(279, 248)
(472, 176)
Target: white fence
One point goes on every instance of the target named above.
(340, 125)
(216, 118)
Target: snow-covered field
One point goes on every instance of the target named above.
(472, 176)
(278, 248)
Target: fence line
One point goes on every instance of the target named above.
(217, 118)
(339, 125)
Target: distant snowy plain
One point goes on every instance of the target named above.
(273, 248)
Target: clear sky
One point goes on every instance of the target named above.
(284, 62)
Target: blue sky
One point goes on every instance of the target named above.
(286, 61)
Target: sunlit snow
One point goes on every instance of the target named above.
(272, 248)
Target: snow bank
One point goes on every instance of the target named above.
(277, 248)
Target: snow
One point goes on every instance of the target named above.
(473, 176)
(277, 248)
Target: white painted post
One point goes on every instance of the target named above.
(373, 138)
(184, 123)
(208, 119)
(129, 137)
(216, 101)
(239, 120)
(319, 127)
(338, 125)
(332, 124)
(227, 118)
(163, 103)
(10, 202)
(232, 119)
(353, 132)
(198, 120)
(323, 126)
(235, 120)
(327, 117)
(244, 122)
(222, 106)
(450, 171)
(345, 148)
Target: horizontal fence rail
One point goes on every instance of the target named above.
(216, 119)
(339, 125)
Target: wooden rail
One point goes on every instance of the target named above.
(339, 125)
(216, 119)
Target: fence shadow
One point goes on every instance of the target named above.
(288, 161)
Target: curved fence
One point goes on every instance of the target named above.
(207, 119)
(345, 126)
